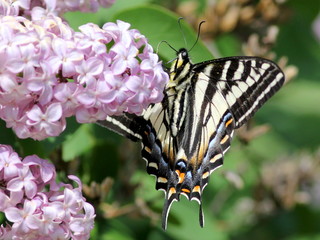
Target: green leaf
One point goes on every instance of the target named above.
(103, 15)
(228, 45)
(187, 212)
(159, 24)
(7, 136)
(105, 155)
(297, 41)
(294, 114)
(78, 143)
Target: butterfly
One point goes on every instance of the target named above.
(184, 137)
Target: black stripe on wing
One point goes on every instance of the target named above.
(128, 125)
(245, 82)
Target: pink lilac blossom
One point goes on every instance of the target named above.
(49, 72)
(41, 8)
(35, 205)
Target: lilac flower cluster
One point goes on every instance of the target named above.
(44, 7)
(35, 205)
(49, 72)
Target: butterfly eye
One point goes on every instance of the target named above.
(184, 54)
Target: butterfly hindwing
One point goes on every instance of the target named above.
(128, 125)
(184, 138)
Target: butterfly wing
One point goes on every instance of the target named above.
(151, 128)
(223, 95)
(245, 82)
(158, 146)
(127, 125)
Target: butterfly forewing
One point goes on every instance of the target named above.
(245, 82)
(184, 138)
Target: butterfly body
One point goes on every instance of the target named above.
(184, 138)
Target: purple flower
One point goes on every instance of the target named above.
(12, 91)
(51, 7)
(10, 199)
(7, 9)
(67, 95)
(65, 57)
(33, 210)
(26, 62)
(42, 84)
(25, 181)
(49, 220)
(40, 168)
(21, 3)
(22, 219)
(84, 115)
(82, 224)
(125, 58)
(89, 70)
(48, 121)
(9, 162)
(119, 32)
(49, 72)
(4, 201)
(13, 118)
(92, 39)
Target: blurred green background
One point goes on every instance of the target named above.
(269, 186)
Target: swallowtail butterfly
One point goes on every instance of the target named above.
(184, 138)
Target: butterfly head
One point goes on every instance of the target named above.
(180, 68)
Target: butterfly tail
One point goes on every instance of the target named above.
(201, 217)
(171, 196)
(196, 195)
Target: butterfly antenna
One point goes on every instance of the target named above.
(198, 36)
(164, 41)
(182, 33)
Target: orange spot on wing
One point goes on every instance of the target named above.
(196, 189)
(171, 191)
(147, 149)
(205, 175)
(229, 122)
(185, 190)
(181, 177)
